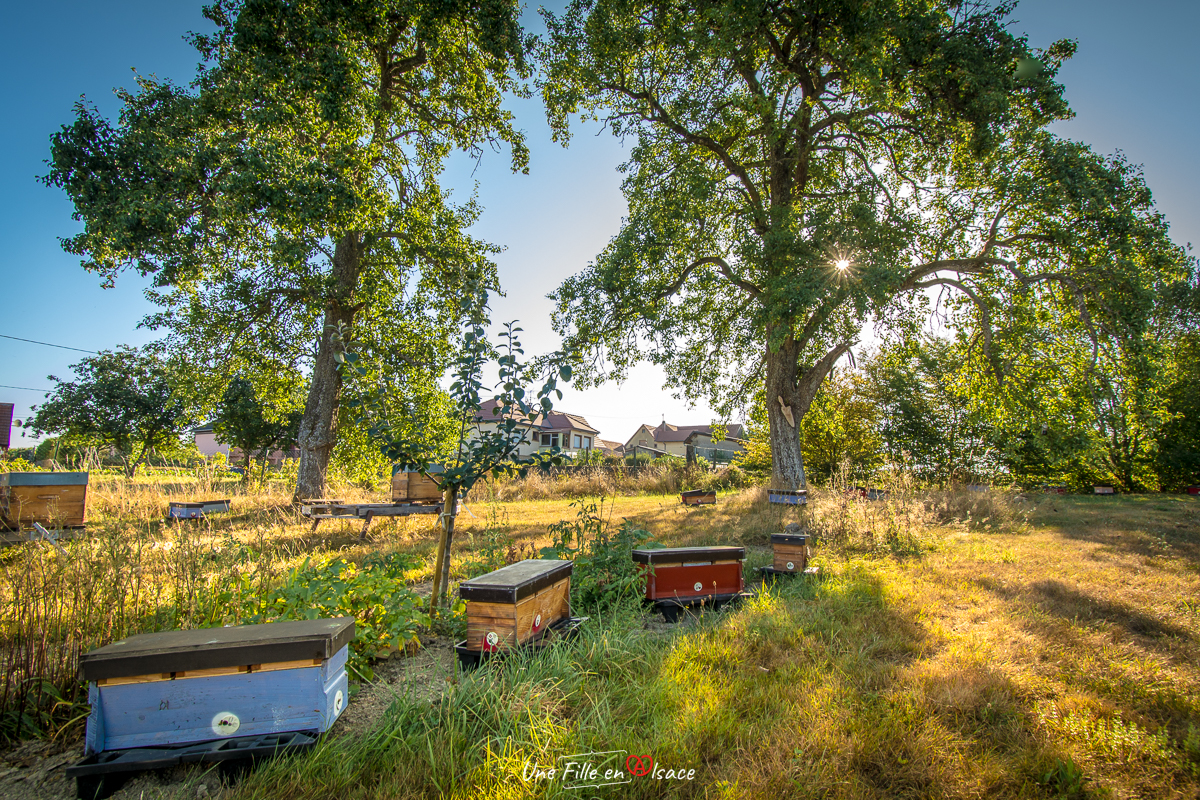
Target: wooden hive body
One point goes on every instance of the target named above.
(787, 497)
(698, 497)
(692, 573)
(791, 551)
(413, 487)
(517, 603)
(177, 687)
(48, 498)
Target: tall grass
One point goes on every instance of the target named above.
(133, 572)
(659, 478)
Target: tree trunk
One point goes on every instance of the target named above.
(441, 565)
(789, 396)
(787, 462)
(318, 425)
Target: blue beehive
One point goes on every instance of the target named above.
(177, 687)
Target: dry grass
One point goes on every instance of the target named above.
(959, 645)
(657, 478)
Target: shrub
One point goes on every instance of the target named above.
(386, 613)
(604, 574)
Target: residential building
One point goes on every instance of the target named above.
(571, 433)
(208, 445)
(675, 439)
(610, 448)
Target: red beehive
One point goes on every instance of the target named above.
(689, 576)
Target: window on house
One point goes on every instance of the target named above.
(550, 439)
(587, 442)
(578, 441)
(642, 442)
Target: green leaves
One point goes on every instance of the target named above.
(294, 184)
(128, 399)
(800, 170)
(387, 614)
(604, 574)
(244, 421)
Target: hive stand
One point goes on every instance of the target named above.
(211, 694)
(318, 510)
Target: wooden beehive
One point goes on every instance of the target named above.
(517, 603)
(791, 551)
(413, 487)
(48, 498)
(177, 687)
(1098, 489)
(688, 575)
(787, 497)
(197, 510)
(698, 497)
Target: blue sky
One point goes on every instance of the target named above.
(1134, 86)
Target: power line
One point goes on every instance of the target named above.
(25, 388)
(47, 344)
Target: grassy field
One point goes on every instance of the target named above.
(954, 645)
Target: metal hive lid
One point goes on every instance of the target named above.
(210, 648)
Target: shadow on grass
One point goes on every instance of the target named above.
(1142, 525)
(1056, 600)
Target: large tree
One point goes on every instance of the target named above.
(292, 188)
(802, 167)
(125, 399)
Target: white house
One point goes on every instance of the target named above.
(206, 441)
(569, 432)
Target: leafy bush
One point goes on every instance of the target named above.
(604, 573)
(18, 465)
(386, 613)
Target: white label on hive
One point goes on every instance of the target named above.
(537, 622)
(492, 639)
(699, 586)
(226, 723)
(337, 702)
(790, 565)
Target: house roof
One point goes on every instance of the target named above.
(205, 428)
(667, 432)
(605, 444)
(729, 436)
(487, 407)
(561, 420)
(554, 421)
(640, 428)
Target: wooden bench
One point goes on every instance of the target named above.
(335, 509)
